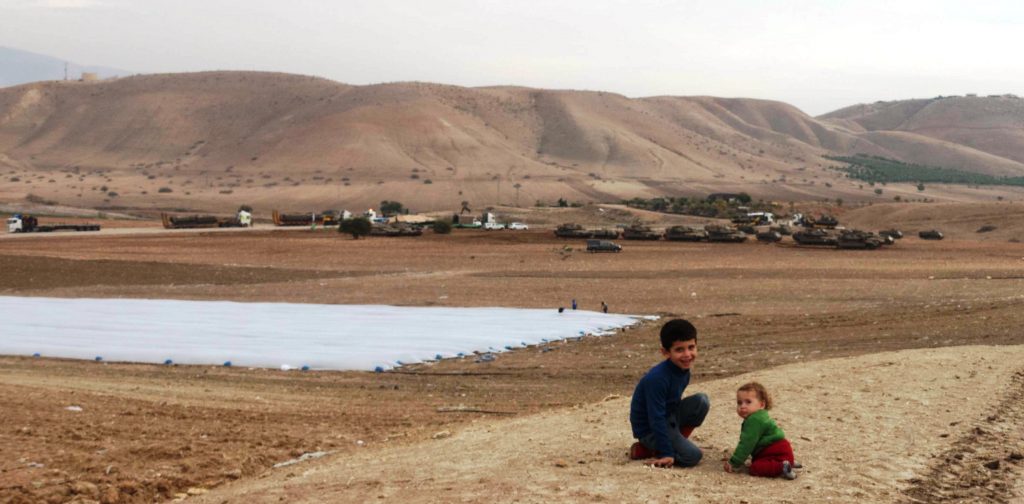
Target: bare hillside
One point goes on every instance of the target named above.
(210, 141)
(983, 134)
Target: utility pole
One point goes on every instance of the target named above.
(499, 191)
(65, 70)
(517, 186)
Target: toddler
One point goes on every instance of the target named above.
(760, 437)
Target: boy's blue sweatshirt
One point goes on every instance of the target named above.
(656, 397)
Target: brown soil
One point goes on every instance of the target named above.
(147, 432)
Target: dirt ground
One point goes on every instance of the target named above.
(147, 432)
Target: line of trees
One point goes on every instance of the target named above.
(877, 169)
(701, 207)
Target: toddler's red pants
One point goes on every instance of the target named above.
(768, 462)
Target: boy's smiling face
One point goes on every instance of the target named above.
(682, 353)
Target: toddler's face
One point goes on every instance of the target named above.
(747, 403)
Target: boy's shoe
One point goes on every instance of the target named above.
(640, 452)
(787, 470)
(797, 465)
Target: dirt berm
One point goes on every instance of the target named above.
(874, 428)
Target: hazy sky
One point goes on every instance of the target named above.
(818, 56)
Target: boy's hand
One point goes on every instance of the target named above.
(662, 462)
(728, 467)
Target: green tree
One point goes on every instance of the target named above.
(562, 202)
(388, 208)
(359, 226)
(744, 198)
(442, 227)
(920, 187)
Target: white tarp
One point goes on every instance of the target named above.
(277, 334)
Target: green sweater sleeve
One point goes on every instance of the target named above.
(758, 431)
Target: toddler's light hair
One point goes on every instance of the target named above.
(762, 393)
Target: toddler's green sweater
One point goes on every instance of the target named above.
(758, 431)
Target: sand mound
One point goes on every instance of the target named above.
(876, 428)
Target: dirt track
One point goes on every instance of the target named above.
(149, 431)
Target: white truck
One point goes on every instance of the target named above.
(24, 223)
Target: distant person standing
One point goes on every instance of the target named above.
(573, 304)
(604, 307)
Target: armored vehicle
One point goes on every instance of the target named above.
(604, 233)
(399, 229)
(816, 237)
(782, 229)
(932, 234)
(685, 233)
(823, 221)
(896, 234)
(722, 233)
(769, 236)
(571, 230)
(856, 239)
(639, 232)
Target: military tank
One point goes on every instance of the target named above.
(685, 233)
(572, 230)
(769, 236)
(826, 221)
(931, 234)
(856, 239)
(782, 229)
(723, 233)
(896, 234)
(818, 237)
(639, 232)
(604, 234)
(394, 230)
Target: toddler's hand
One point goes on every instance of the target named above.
(728, 467)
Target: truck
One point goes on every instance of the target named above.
(25, 223)
(242, 219)
(304, 219)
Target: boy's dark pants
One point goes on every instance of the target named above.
(691, 413)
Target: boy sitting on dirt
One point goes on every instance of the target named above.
(662, 421)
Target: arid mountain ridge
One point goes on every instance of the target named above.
(214, 140)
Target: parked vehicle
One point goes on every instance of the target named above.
(603, 246)
(24, 223)
(685, 233)
(518, 226)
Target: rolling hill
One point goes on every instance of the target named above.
(214, 140)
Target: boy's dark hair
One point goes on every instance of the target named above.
(677, 330)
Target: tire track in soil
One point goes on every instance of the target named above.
(983, 465)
